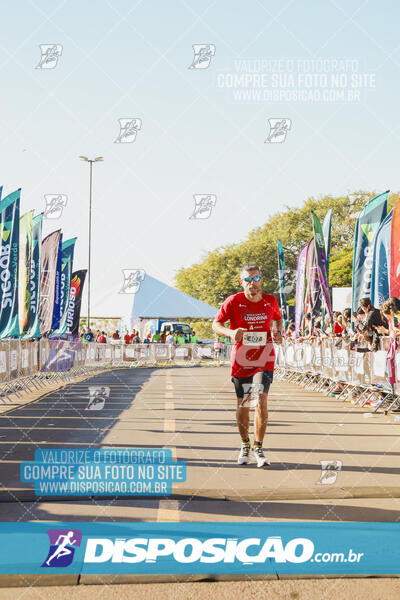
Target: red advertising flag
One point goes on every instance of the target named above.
(395, 253)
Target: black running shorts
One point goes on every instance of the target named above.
(267, 377)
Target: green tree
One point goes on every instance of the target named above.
(217, 275)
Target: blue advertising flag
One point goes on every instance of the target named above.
(9, 257)
(33, 315)
(381, 263)
(282, 283)
(66, 273)
(367, 225)
(57, 289)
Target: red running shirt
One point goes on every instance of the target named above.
(252, 316)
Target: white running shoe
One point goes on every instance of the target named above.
(261, 459)
(244, 455)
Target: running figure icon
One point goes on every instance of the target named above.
(62, 549)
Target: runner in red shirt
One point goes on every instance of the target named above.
(251, 313)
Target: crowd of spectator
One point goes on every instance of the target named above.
(101, 337)
(362, 328)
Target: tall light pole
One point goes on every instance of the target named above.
(90, 161)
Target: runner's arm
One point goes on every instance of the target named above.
(235, 334)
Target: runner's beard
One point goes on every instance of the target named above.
(254, 292)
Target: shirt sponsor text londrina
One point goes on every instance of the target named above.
(213, 550)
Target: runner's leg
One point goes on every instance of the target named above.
(243, 419)
(264, 379)
(261, 418)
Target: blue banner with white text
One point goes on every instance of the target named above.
(200, 548)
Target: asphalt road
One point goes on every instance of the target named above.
(191, 411)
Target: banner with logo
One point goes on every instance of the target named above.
(33, 329)
(67, 258)
(75, 301)
(25, 256)
(60, 358)
(48, 273)
(381, 262)
(275, 548)
(282, 283)
(367, 225)
(320, 251)
(9, 256)
(394, 282)
(300, 287)
(57, 289)
(326, 229)
(313, 289)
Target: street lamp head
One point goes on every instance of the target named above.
(97, 159)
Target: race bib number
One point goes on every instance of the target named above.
(251, 338)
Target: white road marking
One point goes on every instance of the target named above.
(168, 510)
(169, 425)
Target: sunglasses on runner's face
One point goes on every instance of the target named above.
(249, 279)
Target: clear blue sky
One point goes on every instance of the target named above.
(130, 59)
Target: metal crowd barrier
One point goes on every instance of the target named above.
(26, 365)
(330, 366)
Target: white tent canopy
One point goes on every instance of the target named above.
(155, 299)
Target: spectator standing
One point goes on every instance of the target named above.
(89, 335)
(373, 321)
(337, 326)
(180, 338)
(101, 339)
(218, 345)
(390, 310)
